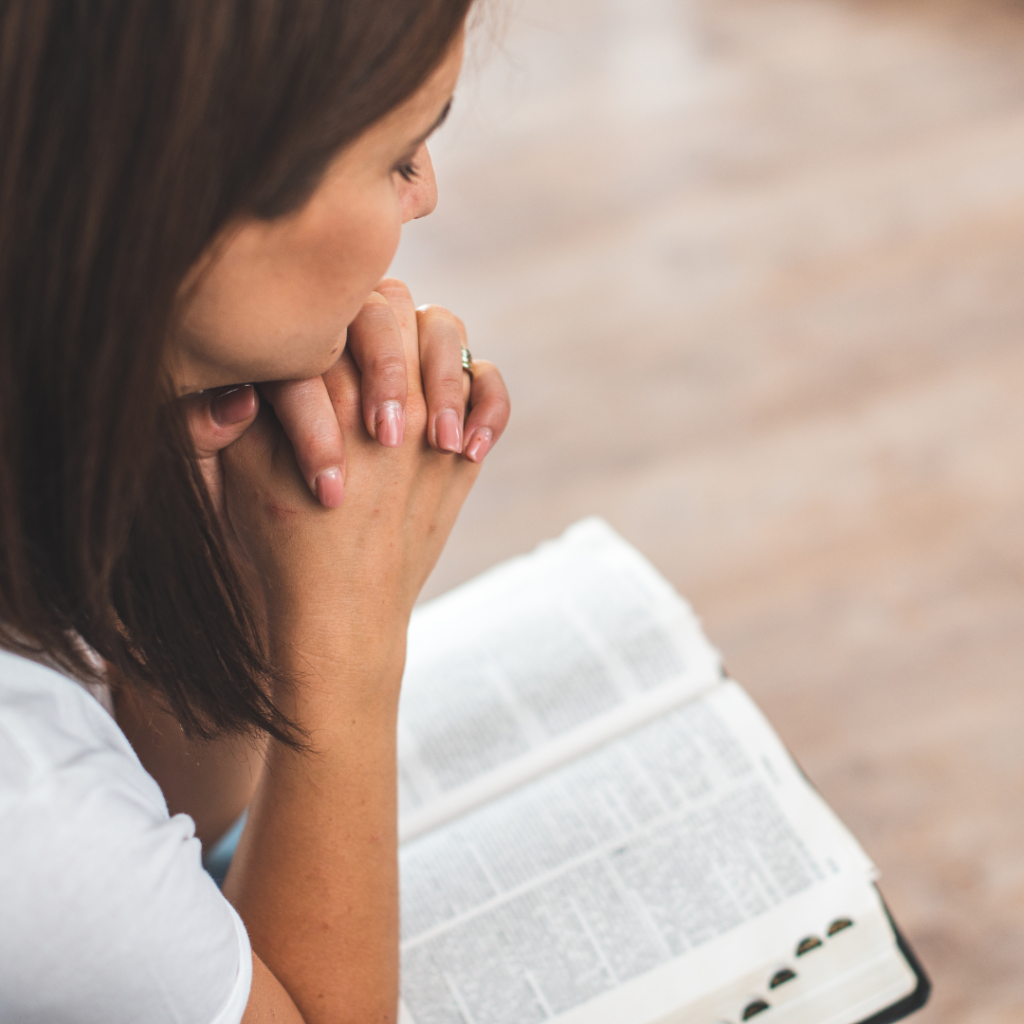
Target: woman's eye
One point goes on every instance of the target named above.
(408, 170)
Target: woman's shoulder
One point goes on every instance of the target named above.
(52, 725)
(108, 914)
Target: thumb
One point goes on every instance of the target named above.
(219, 417)
(216, 419)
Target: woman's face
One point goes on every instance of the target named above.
(271, 300)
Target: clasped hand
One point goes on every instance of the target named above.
(341, 490)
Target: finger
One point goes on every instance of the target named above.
(375, 341)
(218, 417)
(307, 415)
(344, 385)
(262, 452)
(490, 408)
(441, 337)
(400, 299)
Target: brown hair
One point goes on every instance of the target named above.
(131, 132)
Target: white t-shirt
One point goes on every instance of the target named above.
(106, 914)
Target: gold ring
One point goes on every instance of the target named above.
(467, 360)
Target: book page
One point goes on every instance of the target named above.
(535, 661)
(620, 867)
(851, 975)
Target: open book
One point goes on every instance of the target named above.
(599, 827)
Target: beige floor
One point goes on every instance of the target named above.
(755, 272)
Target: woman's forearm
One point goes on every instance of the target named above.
(315, 877)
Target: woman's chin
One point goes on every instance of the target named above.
(189, 380)
(297, 366)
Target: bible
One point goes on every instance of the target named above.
(598, 826)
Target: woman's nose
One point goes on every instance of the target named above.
(420, 195)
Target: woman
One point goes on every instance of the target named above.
(196, 196)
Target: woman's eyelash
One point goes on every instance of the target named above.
(408, 170)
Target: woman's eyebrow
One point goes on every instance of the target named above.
(441, 118)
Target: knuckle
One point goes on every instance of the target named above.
(386, 359)
(438, 316)
(393, 287)
(494, 405)
(315, 450)
(448, 383)
(305, 392)
(497, 415)
(388, 378)
(488, 380)
(374, 316)
(500, 399)
(445, 316)
(489, 375)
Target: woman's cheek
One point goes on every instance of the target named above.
(277, 302)
(383, 239)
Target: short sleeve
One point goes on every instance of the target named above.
(234, 1008)
(108, 915)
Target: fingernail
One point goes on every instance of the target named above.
(449, 431)
(233, 406)
(479, 444)
(391, 424)
(329, 487)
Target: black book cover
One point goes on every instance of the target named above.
(910, 1003)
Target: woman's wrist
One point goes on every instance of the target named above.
(329, 666)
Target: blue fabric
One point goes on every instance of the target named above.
(218, 859)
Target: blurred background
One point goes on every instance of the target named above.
(754, 271)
